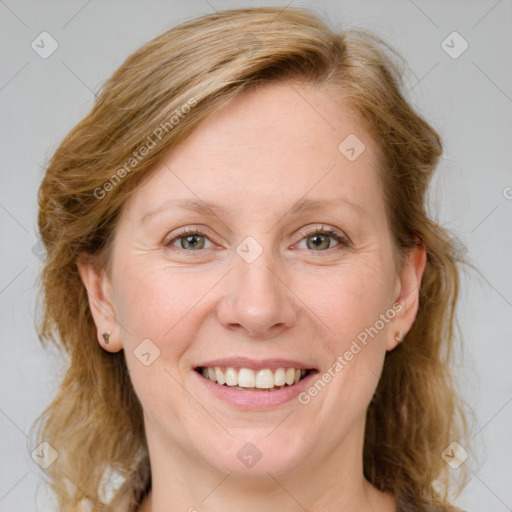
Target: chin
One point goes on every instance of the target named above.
(253, 455)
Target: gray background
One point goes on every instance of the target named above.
(468, 99)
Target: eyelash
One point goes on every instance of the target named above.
(342, 240)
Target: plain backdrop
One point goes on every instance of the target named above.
(467, 97)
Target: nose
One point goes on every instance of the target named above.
(257, 302)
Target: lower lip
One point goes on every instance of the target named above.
(256, 400)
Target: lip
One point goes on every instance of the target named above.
(255, 364)
(256, 400)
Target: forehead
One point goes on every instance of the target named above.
(270, 146)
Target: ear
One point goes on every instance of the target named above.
(101, 303)
(408, 295)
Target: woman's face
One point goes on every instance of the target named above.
(216, 264)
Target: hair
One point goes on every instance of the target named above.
(154, 101)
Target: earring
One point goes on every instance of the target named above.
(106, 336)
(399, 337)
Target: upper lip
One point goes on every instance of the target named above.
(255, 364)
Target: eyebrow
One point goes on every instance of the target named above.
(195, 205)
(305, 205)
(207, 208)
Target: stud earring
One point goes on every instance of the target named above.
(399, 337)
(106, 337)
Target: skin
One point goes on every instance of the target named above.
(256, 157)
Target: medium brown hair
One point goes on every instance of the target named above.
(160, 94)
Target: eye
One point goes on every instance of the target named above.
(319, 239)
(190, 240)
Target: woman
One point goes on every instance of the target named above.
(257, 309)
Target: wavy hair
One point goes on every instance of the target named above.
(160, 94)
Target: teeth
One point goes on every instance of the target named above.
(264, 379)
(231, 377)
(290, 376)
(247, 378)
(219, 376)
(280, 377)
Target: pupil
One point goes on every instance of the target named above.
(320, 241)
(192, 242)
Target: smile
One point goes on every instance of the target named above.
(254, 384)
(247, 379)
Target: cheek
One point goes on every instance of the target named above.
(354, 305)
(155, 300)
(350, 299)
(159, 304)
